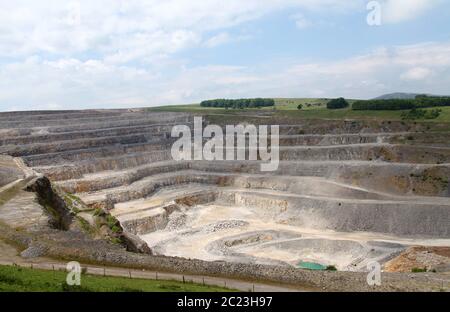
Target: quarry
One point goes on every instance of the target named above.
(102, 186)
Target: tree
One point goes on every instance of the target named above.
(300, 106)
(337, 103)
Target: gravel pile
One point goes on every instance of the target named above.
(177, 220)
(224, 225)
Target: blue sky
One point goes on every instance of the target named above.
(100, 54)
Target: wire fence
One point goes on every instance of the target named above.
(143, 274)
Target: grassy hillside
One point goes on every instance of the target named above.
(16, 279)
(324, 113)
(308, 104)
(312, 108)
(280, 104)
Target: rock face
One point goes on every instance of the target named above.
(135, 244)
(345, 192)
(52, 201)
(9, 172)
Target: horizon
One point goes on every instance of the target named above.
(198, 103)
(83, 55)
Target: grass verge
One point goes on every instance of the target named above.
(17, 279)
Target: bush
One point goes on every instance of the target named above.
(98, 212)
(418, 270)
(337, 103)
(116, 240)
(433, 114)
(300, 106)
(85, 226)
(115, 229)
(111, 221)
(331, 268)
(421, 114)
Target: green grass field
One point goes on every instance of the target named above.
(288, 108)
(308, 104)
(16, 279)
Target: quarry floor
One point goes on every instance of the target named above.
(208, 228)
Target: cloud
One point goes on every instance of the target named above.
(226, 38)
(382, 71)
(301, 21)
(36, 83)
(105, 53)
(396, 11)
(143, 29)
(149, 47)
(217, 40)
(111, 28)
(416, 73)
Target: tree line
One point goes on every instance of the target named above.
(420, 101)
(239, 103)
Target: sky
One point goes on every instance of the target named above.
(117, 54)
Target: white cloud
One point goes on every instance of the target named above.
(377, 72)
(137, 29)
(107, 53)
(217, 40)
(363, 76)
(396, 11)
(146, 47)
(68, 83)
(416, 73)
(111, 28)
(225, 38)
(301, 21)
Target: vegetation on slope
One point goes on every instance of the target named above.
(421, 114)
(312, 108)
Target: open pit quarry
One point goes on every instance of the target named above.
(345, 193)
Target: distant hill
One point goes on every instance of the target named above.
(397, 96)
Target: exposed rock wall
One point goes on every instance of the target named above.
(9, 171)
(400, 218)
(52, 202)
